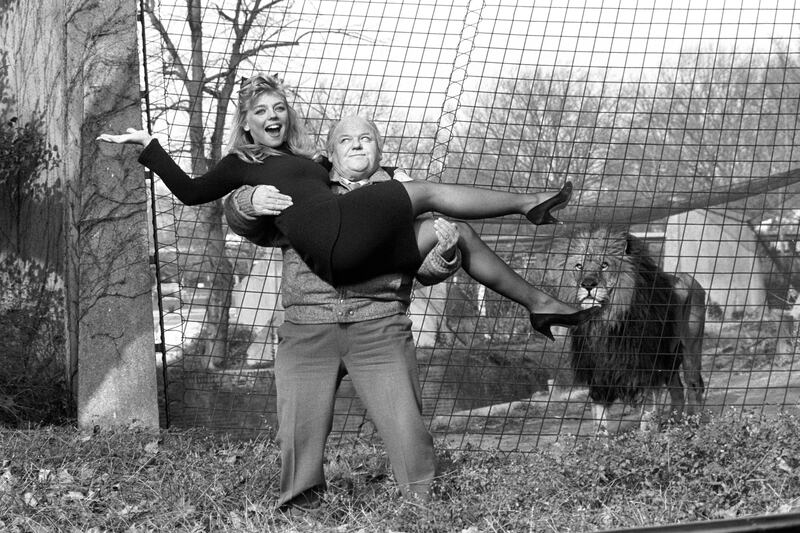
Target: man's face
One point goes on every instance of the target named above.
(356, 154)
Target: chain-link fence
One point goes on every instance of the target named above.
(677, 124)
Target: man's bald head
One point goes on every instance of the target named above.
(354, 147)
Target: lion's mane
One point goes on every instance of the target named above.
(629, 347)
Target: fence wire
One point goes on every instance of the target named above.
(677, 123)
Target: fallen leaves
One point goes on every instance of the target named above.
(131, 482)
(127, 481)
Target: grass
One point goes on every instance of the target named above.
(62, 479)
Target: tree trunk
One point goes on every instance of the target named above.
(201, 236)
(204, 229)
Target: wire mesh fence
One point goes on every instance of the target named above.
(676, 124)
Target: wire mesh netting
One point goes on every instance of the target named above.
(677, 125)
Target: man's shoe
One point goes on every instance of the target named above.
(305, 502)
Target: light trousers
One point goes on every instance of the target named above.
(380, 358)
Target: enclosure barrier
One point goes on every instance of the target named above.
(677, 123)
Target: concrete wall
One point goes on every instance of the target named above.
(721, 253)
(75, 65)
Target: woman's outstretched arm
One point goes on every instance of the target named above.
(211, 186)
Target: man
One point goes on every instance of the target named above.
(359, 329)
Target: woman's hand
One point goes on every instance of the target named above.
(447, 233)
(267, 200)
(131, 136)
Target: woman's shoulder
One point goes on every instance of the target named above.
(297, 161)
(284, 163)
(232, 159)
(234, 162)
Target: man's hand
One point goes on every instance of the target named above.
(267, 200)
(447, 233)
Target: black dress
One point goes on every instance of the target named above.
(344, 238)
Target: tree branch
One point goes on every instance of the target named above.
(170, 46)
(614, 207)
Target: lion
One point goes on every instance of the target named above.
(650, 324)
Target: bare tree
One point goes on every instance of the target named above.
(533, 130)
(206, 80)
(709, 131)
(706, 132)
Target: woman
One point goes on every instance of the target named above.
(368, 232)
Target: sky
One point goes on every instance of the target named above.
(422, 51)
(424, 38)
(420, 55)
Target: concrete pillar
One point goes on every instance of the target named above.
(76, 65)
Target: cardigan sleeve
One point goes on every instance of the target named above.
(435, 268)
(243, 221)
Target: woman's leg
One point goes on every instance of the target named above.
(487, 268)
(480, 262)
(462, 201)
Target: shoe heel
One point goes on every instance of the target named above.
(540, 215)
(541, 324)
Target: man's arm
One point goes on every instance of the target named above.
(241, 217)
(435, 268)
(260, 230)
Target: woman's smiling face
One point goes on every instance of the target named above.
(267, 120)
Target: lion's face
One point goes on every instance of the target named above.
(601, 272)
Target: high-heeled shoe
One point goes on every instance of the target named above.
(541, 322)
(540, 214)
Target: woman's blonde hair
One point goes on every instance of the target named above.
(241, 142)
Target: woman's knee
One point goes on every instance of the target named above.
(422, 195)
(465, 231)
(425, 231)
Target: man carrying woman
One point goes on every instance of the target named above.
(360, 329)
(344, 240)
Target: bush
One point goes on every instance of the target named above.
(32, 360)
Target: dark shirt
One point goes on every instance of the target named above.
(301, 178)
(311, 223)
